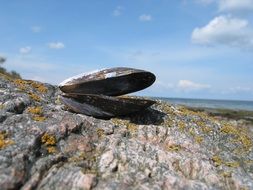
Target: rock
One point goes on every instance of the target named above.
(44, 146)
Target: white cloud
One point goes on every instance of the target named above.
(145, 18)
(187, 85)
(240, 89)
(117, 11)
(56, 45)
(25, 50)
(36, 29)
(225, 30)
(235, 5)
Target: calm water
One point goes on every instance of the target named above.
(224, 104)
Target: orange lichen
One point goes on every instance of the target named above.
(48, 139)
(21, 84)
(51, 149)
(4, 141)
(38, 86)
(35, 110)
(34, 97)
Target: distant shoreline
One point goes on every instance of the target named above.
(233, 105)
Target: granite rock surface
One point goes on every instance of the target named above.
(45, 146)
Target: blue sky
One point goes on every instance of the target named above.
(196, 48)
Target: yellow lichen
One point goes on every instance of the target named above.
(78, 158)
(34, 97)
(48, 139)
(168, 122)
(21, 84)
(199, 139)
(132, 127)
(245, 140)
(1, 106)
(39, 118)
(232, 164)
(181, 125)
(4, 141)
(217, 160)
(174, 147)
(51, 149)
(241, 136)
(39, 87)
(100, 132)
(229, 129)
(203, 126)
(35, 110)
(192, 132)
(226, 174)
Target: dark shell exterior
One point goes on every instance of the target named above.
(104, 106)
(94, 94)
(110, 82)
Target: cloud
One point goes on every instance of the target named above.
(240, 89)
(117, 11)
(36, 29)
(25, 50)
(225, 30)
(56, 45)
(145, 18)
(235, 5)
(187, 85)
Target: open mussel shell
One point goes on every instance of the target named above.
(110, 82)
(101, 106)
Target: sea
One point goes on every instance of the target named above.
(208, 103)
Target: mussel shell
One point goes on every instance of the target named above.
(104, 106)
(110, 82)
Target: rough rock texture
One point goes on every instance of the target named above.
(45, 146)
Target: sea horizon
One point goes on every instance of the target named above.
(210, 103)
